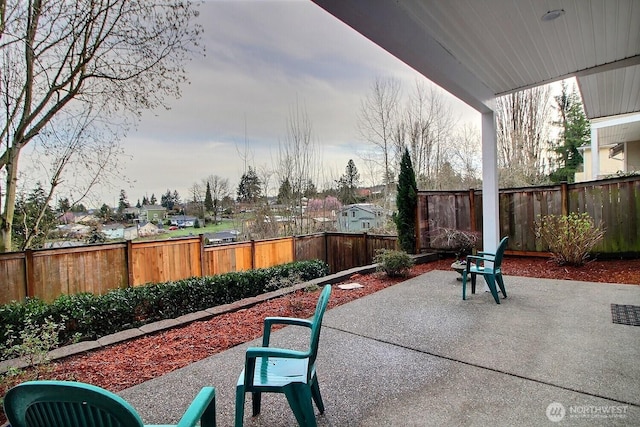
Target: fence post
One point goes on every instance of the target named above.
(472, 209)
(202, 266)
(293, 248)
(29, 274)
(253, 254)
(564, 194)
(366, 249)
(128, 253)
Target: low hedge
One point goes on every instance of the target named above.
(86, 316)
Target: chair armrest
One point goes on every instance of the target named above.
(265, 352)
(202, 409)
(477, 260)
(254, 352)
(270, 321)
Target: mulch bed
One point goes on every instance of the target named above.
(129, 363)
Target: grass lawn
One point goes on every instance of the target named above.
(190, 231)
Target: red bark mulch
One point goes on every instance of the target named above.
(129, 363)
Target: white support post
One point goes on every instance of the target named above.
(595, 153)
(490, 201)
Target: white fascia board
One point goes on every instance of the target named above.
(615, 120)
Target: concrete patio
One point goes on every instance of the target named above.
(415, 354)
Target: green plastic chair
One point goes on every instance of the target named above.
(74, 404)
(278, 370)
(476, 264)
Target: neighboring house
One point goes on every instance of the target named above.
(183, 221)
(130, 233)
(66, 218)
(131, 213)
(620, 158)
(113, 231)
(227, 236)
(617, 139)
(360, 217)
(86, 218)
(73, 231)
(63, 244)
(152, 213)
(148, 229)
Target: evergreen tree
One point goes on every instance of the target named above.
(64, 205)
(575, 132)
(208, 200)
(310, 190)
(285, 192)
(105, 212)
(30, 231)
(123, 203)
(167, 200)
(249, 189)
(153, 199)
(406, 202)
(145, 201)
(348, 184)
(138, 205)
(79, 208)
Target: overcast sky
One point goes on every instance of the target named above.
(261, 58)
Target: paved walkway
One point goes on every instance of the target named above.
(415, 354)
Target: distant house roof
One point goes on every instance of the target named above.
(114, 226)
(153, 207)
(182, 217)
(369, 207)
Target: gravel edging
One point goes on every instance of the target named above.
(165, 324)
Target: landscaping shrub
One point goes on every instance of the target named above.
(393, 263)
(87, 316)
(570, 237)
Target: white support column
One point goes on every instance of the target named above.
(490, 201)
(595, 153)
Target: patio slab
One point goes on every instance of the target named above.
(415, 354)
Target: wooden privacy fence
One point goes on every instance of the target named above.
(613, 202)
(48, 273)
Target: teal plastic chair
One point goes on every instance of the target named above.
(476, 264)
(278, 370)
(74, 404)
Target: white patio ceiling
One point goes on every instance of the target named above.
(478, 49)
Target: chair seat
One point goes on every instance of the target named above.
(276, 372)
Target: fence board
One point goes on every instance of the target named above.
(345, 251)
(615, 202)
(13, 282)
(166, 260)
(94, 269)
(273, 252)
(310, 247)
(227, 258)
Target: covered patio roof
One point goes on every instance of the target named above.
(478, 50)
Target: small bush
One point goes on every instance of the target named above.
(33, 343)
(393, 263)
(570, 237)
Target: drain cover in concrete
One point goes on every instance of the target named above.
(625, 314)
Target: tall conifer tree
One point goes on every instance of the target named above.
(406, 202)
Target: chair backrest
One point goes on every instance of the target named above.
(67, 404)
(500, 252)
(321, 307)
